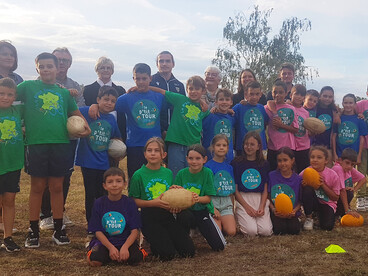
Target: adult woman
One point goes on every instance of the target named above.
(9, 61)
(245, 77)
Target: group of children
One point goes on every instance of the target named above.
(228, 192)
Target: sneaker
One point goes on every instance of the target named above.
(366, 203)
(10, 245)
(67, 221)
(32, 240)
(360, 204)
(15, 230)
(47, 224)
(308, 224)
(60, 237)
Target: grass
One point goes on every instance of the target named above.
(277, 255)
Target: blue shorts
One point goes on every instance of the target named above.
(9, 182)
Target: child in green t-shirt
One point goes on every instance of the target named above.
(165, 235)
(186, 123)
(199, 180)
(49, 154)
(11, 157)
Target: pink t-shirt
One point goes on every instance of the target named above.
(362, 107)
(278, 138)
(333, 181)
(349, 177)
(302, 139)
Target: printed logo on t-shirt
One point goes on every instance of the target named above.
(155, 187)
(253, 120)
(224, 183)
(347, 133)
(301, 130)
(113, 223)
(145, 113)
(320, 193)
(326, 119)
(348, 182)
(224, 127)
(8, 130)
(190, 113)
(49, 102)
(282, 189)
(287, 117)
(312, 113)
(100, 135)
(193, 187)
(251, 179)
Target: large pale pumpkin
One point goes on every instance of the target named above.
(311, 178)
(314, 125)
(283, 204)
(178, 198)
(75, 125)
(349, 220)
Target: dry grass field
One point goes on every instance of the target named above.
(277, 255)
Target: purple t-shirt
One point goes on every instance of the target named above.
(326, 116)
(115, 219)
(249, 176)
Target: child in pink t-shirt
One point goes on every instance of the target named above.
(322, 201)
(283, 123)
(346, 172)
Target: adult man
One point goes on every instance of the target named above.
(65, 61)
(164, 79)
(212, 77)
(287, 71)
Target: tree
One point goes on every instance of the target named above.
(248, 45)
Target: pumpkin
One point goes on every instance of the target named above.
(311, 178)
(178, 198)
(314, 125)
(283, 204)
(349, 220)
(117, 149)
(75, 125)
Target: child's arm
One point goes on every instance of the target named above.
(271, 105)
(158, 90)
(329, 192)
(333, 144)
(344, 200)
(250, 211)
(360, 183)
(201, 199)
(296, 209)
(157, 202)
(113, 251)
(87, 130)
(361, 145)
(336, 117)
(124, 250)
(262, 204)
(277, 122)
(93, 111)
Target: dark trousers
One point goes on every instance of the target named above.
(206, 225)
(301, 160)
(271, 158)
(93, 189)
(282, 226)
(165, 235)
(135, 159)
(100, 253)
(340, 211)
(311, 204)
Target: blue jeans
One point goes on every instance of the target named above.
(177, 157)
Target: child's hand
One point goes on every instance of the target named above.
(359, 159)
(335, 157)
(217, 214)
(353, 213)
(176, 187)
(114, 253)
(175, 210)
(260, 212)
(73, 92)
(271, 105)
(160, 203)
(231, 112)
(124, 253)
(93, 112)
(86, 132)
(277, 122)
(195, 197)
(132, 89)
(350, 189)
(243, 102)
(204, 105)
(250, 211)
(336, 118)
(361, 116)
(214, 110)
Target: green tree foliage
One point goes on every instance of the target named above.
(248, 45)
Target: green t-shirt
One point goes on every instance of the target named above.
(147, 184)
(11, 139)
(201, 183)
(46, 109)
(186, 124)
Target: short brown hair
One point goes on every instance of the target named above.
(197, 81)
(5, 43)
(9, 83)
(288, 65)
(227, 93)
(112, 172)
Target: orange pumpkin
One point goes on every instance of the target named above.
(349, 220)
(311, 178)
(283, 204)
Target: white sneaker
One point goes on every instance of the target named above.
(308, 224)
(47, 224)
(366, 203)
(360, 204)
(67, 221)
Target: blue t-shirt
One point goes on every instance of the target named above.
(326, 116)
(248, 118)
(349, 132)
(223, 177)
(92, 150)
(116, 219)
(249, 176)
(218, 123)
(142, 110)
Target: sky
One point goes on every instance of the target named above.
(133, 31)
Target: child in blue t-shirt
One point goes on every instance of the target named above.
(115, 221)
(249, 117)
(224, 184)
(220, 123)
(92, 154)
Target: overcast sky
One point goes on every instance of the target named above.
(133, 31)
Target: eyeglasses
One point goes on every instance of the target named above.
(209, 74)
(64, 60)
(107, 68)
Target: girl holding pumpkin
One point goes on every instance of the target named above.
(285, 181)
(251, 178)
(323, 200)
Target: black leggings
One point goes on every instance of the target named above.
(282, 226)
